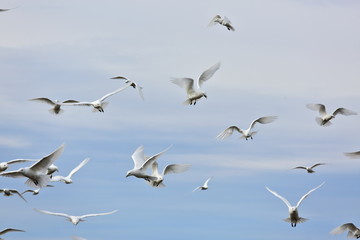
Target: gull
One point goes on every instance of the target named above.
(245, 133)
(99, 104)
(324, 119)
(225, 21)
(309, 169)
(35, 191)
(36, 173)
(56, 104)
(11, 192)
(171, 168)
(5, 165)
(188, 83)
(51, 169)
(74, 219)
(133, 84)
(10, 230)
(141, 163)
(68, 179)
(205, 186)
(354, 232)
(353, 154)
(294, 217)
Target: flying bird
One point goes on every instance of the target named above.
(294, 217)
(354, 232)
(99, 104)
(74, 219)
(11, 192)
(353, 154)
(245, 133)
(10, 230)
(194, 92)
(5, 165)
(205, 186)
(36, 173)
(133, 84)
(51, 169)
(68, 179)
(35, 191)
(324, 119)
(141, 163)
(171, 168)
(309, 169)
(225, 21)
(56, 104)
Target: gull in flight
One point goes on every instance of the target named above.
(353, 154)
(141, 163)
(354, 232)
(245, 133)
(68, 179)
(324, 119)
(205, 186)
(51, 169)
(309, 169)
(10, 230)
(225, 21)
(171, 168)
(294, 217)
(56, 104)
(99, 104)
(11, 192)
(133, 84)
(35, 191)
(5, 165)
(75, 219)
(36, 173)
(188, 83)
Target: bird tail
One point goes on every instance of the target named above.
(40, 182)
(187, 102)
(321, 122)
(55, 111)
(300, 220)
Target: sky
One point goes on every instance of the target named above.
(283, 55)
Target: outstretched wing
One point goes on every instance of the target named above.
(52, 213)
(151, 159)
(317, 164)
(176, 168)
(344, 111)
(10, 230)
(85, 161)
(281, 197)
(344, 227)
(263, 120)
(21, 160)
(187, 83)
(97, 214)
(317, 107)
(44, 100)
(19, 194)
(138, 157)
(45, 162)
(215, 20)
(116, 91)
(307, 194)
(207, 74)
(300, 167)
(13, 174)
(228, 132)
(207, 182)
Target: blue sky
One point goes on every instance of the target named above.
(283, 55)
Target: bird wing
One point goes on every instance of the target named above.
(138, 157)
(119, 77)
(151, 159)
(13, 174)
(344, 227)
(176, 168)
(21, 160)
(196, 189)
(52, 213)
(207, 74)
(214, 20)
(344, 111)
(85, 161)
(45, 100)
(207, 182)
(10, 230)
(299, 167)
(45, 162)
(307, 194)
(187, 83)
(228, 132)
(97, 214)
(318, 107)
(16, 192)
(281, 197)
(116, 91)
(317, 164)
(155, 170)
(263, 120)
(353, 154)
(69, 101)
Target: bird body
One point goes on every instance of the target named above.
(324, 119)
(354, 232)
(171, 168)
(247, 133)
(194, 93)
(294, 217)
(223, 21)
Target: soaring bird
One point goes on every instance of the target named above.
(99, 104)
(353, 154)
(194, 92)
(56, 104)
(294, 217)
(36, 173)
(11, 192)
(223, 21)
(133, 84)
(68, 179)
(204, 186)
(245, 133)
(309, 169)
(354, 232)
(75, 219)
(141, 163)
(5, 165)
(324, 119)
(171, 168)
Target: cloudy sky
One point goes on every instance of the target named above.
(283, 55)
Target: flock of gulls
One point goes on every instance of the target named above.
(42, 171)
